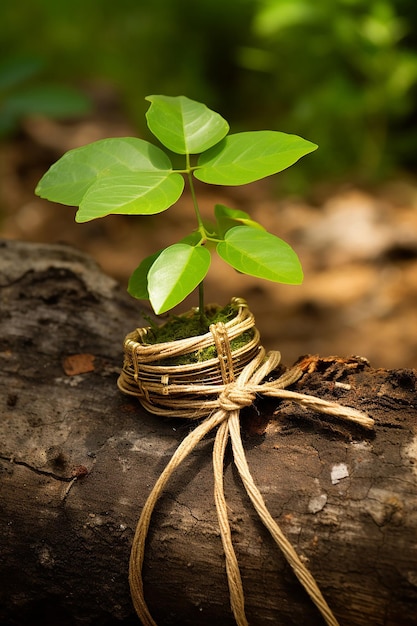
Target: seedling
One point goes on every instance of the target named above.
(131, 176)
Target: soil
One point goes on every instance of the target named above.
(358, 248)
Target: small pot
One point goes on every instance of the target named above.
(176, 390)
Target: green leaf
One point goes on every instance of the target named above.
(73, 174)
(261, 254)
(175, 274)
(138, 193)
(54, 101)
(138, 282)
(183, 125)
(245, 157)
(228, 218)
(193, 239)
(17, 70)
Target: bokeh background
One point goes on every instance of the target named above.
(341, 73)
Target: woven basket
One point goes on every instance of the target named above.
(177, 389)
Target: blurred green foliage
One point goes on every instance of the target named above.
(342, 73)
(23, 93)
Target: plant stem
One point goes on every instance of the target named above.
(194, 197)
(203, 319)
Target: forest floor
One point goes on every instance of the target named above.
(358, 249)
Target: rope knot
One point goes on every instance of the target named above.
(234, 397)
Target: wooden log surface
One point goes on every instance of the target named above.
(78, 460)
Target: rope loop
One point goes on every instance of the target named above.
(234, 397)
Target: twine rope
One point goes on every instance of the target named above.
(233, 395)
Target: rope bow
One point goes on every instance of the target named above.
(234, 395)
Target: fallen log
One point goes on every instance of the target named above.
(78, 460)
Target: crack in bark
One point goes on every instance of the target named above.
(37, 470)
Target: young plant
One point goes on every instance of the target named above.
(131, 176)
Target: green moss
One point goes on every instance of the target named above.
(181, 327)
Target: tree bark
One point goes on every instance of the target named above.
(78, 460)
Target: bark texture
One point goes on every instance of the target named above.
(78, 460)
